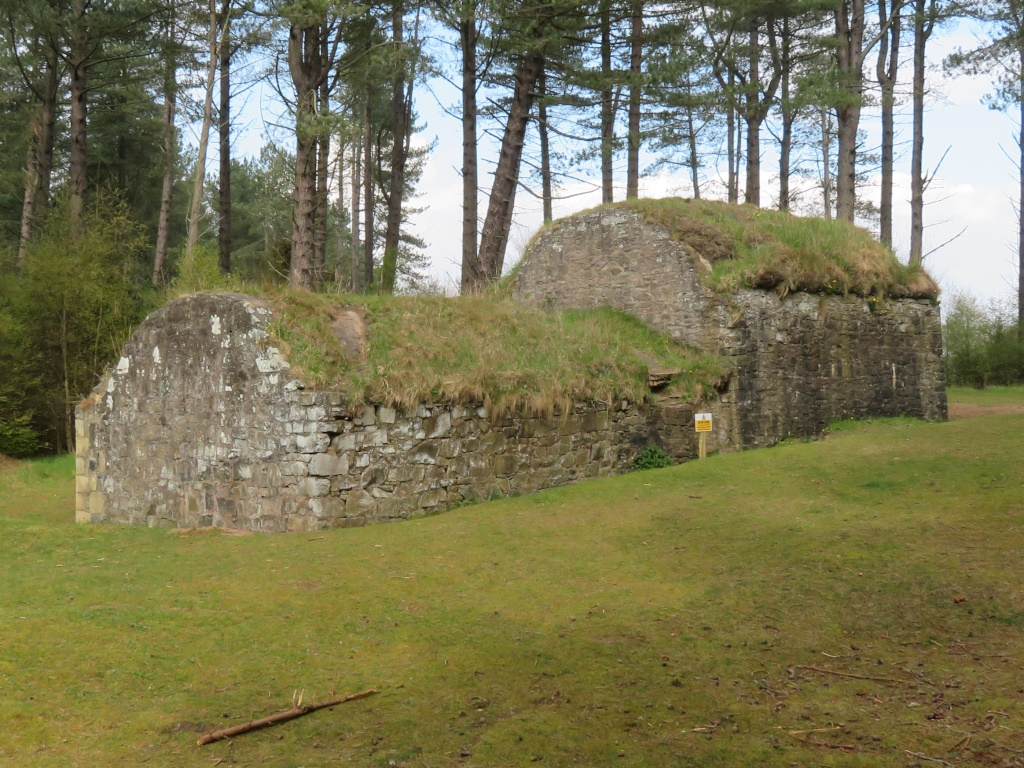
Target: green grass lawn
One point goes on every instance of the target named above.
(856, 601)
(987, 396)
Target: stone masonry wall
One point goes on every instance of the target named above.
(806, 360)
(201, 424)
(798, 362)
(609, 256)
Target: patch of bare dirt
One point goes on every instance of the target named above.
(7, 463)
(969, 410)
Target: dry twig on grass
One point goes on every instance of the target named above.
(824, 671)
(919, 756)
(280, 717)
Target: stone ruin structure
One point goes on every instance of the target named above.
(798, 362)
(201, 423)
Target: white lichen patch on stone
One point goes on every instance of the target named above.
(156, 355)
(270, 360)
(122, 366)
(215, 325)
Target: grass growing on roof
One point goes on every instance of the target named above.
(842, 603)
(752, 247)
(482, 349)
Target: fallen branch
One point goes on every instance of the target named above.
(919, 756)
(826, 744)
(817, 730)
(823, 671)
(280, 717)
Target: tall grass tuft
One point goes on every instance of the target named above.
(752, 247)
(482, 349)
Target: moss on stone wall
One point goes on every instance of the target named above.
(481, 349)
(750, 247)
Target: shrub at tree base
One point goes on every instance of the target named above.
(652, 457)
(64, 314)
(983, 345)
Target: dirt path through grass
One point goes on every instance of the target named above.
(972, 410)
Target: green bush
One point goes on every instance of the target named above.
(982, 345)
(64, 314)
(652, 457)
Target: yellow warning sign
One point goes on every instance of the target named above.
(702, 422)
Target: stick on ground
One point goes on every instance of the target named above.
(280, 717)
(823, 671)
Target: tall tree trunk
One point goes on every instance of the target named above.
(323, 148)
(635, 91)
(886, 70)
(355, 263)
(399, 118)
(343, 273)
(826, 163)
(1020, 207)
(692, 141)
(44, 157)
(472, 274)
(545, 149)
(170, 146)
(752, 192)
(199, 178)
(368, 235)
(28, 208)
(849, 24)
(307, 72)
(788, 117)
(506, 176)
(39, 158)
(77, 62)
(733, 187)
(922, 30)
(739, 159)
(224, 225)
(607, 113)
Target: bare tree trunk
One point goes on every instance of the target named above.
(343, 272)
(307, 71)
(635, 91)
(826, 163)
(28, 208)
(886, 71)
(224, 228)
(788, 116)
(752, 193)
(1020, 199)
(733, 187)
(44, 157)
(77, 61)
(400, 118)
(739, 159)
(607, 113)
(692, 141)
(849, 24)
(39, 157)
(323, 148)
(355, 262)
(170, 152)
(545, 150)
(199, 178)
(923, 26)
(472, 274)
(506, 176)
(368, 201)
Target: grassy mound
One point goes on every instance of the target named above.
(752, 247)
(481, 349)
(842, 603)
